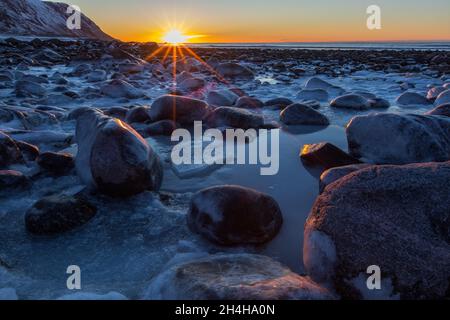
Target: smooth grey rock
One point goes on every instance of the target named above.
(300, 114)
(350, 101)
(387, 138)
(234, 117)
(234, 215)
(411, 99)
(183, 110)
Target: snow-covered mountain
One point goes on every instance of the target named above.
(42, 18)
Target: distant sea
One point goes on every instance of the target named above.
(403, 45)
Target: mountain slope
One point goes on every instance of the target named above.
(40, 18)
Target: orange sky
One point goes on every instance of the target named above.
(269, 20)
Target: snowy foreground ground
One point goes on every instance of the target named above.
(140, 246)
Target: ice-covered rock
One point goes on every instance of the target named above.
(9, 151)
(234, 70)
(313, 94)
(399, 139)
(234, 215)
(114, 158)
(234, 117)
(350, 101)
(57, 214)
(183, 110)
(412, 99)
(442, 110)
(300, 114)
(233, 277)
(392, 217)
(325, 155)
(121, 89)
(222, 98)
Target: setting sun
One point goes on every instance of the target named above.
(175, 37)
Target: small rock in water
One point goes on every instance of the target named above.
(233, 277)
(235, 117)
(183, 110)
(300, 114)
(442, 110)
(57, 214)
(114, 158)
(248, 103)
(56, 163)
(351, 101)
(313, 94)
(234, 215)
(12, 179)
(394, 217)
(388, 138)
(412, 99)
(326, 155)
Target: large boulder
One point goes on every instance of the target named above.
(351, 101)
(387, 138)
(235, 117)
(333, 174)
(300, 114)
(234, 215)
(234, 70)
(9, 151)
(114, 158)
(58, 214)
(233, 277)
(393, 217)
(180, 109)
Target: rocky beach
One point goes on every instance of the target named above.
(87, 177)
